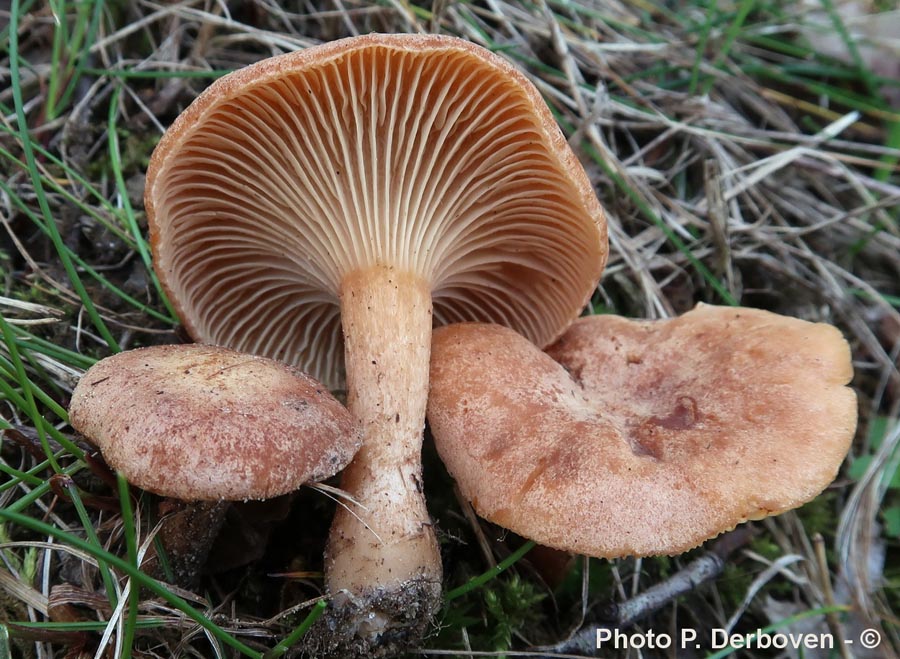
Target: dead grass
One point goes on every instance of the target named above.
(736, 165)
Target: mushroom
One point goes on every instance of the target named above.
(329, 206)
(642, 437)
(207, 424)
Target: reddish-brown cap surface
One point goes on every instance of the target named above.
(423, 153)
(643, 437)
(204, 423)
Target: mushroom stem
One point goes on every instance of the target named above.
(383, 569)
(187, 536)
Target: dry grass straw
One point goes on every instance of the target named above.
(723, 179)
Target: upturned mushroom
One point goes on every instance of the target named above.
(642, 437)
(207, 424)
(327, 207)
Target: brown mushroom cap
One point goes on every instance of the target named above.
(423, 153)
(643, 437)
(199, 422)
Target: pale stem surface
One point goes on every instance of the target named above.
(387, 320)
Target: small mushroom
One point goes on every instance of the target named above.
(329, 206)
(206, 424)
(642, 437)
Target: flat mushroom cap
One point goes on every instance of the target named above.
(424, 153)
(643, 438)
(205, 423)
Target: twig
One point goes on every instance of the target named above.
(625, 614)
(834, 625)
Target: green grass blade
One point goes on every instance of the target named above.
(134, 593)
(890, 161)
(36, 493)
(85, 34)
(92, 272)
(16, 476)
(59, 189)
(731, 35)
(25, 139)
(141, 579)
(862, 69)
(711, 13)
(57, 54)
(91, 533)
(482, 579)
(51, 350)
(30, 405)
(39, 394)
(116, 159)
(27, 400)
(893, 300)
(672, 237)
(26, 8)
(8, 370)
(852, 100)
(317, 610)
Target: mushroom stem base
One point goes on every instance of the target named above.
(379, 623)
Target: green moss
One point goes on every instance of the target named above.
(492, 618)
(819, 514)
